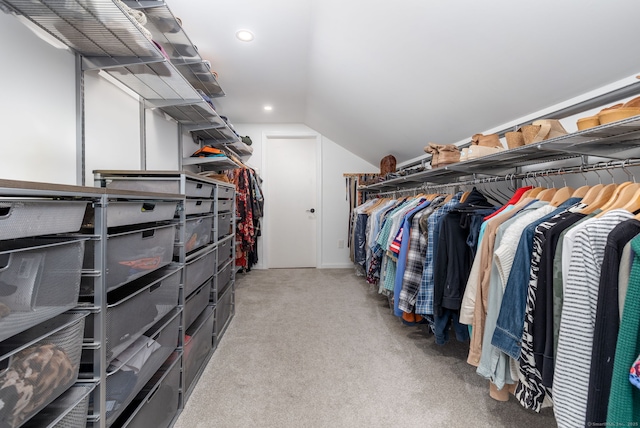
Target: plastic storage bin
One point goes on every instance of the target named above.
(159, 399)
(67, 411)
(225, 205)
(124, 213)
(225, 251)
(33, 217)
(134, 253)
(134, 368)
(39, 279)
(224, 277)
(39, 365)
(198, 344)
(196, 302)
(198, 233)
(192, 206)
(224, 311)
(132, 309)
(193, 188)
(198, 270)
(224, 225)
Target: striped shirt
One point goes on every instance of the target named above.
(577, 322)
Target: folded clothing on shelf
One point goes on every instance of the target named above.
(208, 151)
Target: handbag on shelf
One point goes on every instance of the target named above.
(443, 154)
(541, 130)
(474, 152)
(491, 140)
(514, 138)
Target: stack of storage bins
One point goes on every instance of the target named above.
(225, 278)
(142, 283)
(40, 274)
(196, 250)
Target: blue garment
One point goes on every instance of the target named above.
(475, 224)
(424, 302)
(449, 318)
(510, 323)
(402, 256)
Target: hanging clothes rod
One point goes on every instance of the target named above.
(512, 177)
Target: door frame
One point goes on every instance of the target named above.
(284, 135)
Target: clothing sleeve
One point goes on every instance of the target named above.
(441, 263)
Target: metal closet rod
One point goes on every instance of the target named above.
(525, 175)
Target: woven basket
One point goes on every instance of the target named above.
(514, 139)
(529, 133)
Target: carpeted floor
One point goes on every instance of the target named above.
(319, 348)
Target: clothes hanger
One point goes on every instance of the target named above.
(546, 194)
(601, 198)
(613, 201)
(633, 201)
(562, 194)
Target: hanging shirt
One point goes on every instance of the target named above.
(624, 398)
(424, 302)
(570, 386)
(514, 200)
(607, 323)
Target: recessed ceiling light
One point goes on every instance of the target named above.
(268, 108)
(244, 35)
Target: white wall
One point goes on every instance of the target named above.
(162, 142)
(334, 208)
(37, 107)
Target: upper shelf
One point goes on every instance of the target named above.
(618, 140)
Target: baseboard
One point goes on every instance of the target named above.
(337, 266)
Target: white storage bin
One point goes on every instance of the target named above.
(225, 251)
(198, 270)
(39, 279)
(33, 217)
(224, 276)
(225, 192)
(224, 311)
(39, 365)
(225, 205)
(134, 368)
(67, 411)
(224, 225)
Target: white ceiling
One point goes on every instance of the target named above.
(388, 77)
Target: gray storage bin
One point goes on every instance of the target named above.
(133, 254)
(197, 345)
(224, 311)
(225, 251)
(67, 411)
(197, 206)
(39, 365)
(21, 218)
(224, 225)
(225, 205)
(193, 188)
(225, 192)
(124, 213)
(196, 302)
(198, 232)
(198, 270)
(224, 276)
(159, 399)
(132, 309)
(39, 279)
(139, 362)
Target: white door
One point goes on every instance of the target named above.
(291, 210)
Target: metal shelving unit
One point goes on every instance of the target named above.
(618, 140)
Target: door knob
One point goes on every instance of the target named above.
(312, 210)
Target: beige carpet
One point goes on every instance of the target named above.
(318, 348)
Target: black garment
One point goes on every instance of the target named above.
(360, 238)
(453, 258)
(605, 335)
(543, 335)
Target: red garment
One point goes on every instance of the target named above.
(514, 200)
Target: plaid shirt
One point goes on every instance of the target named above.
(424, 303)
(415, 259)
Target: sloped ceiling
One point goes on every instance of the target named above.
(388, 77)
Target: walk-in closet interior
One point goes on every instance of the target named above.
(469, 171)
